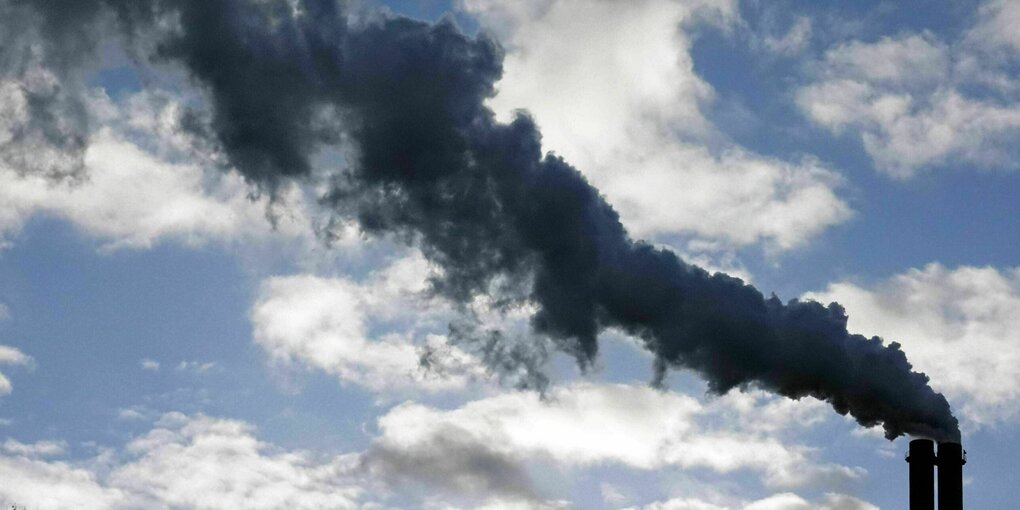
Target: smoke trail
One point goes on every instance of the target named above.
(484, 204)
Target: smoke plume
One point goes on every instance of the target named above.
(431, 164)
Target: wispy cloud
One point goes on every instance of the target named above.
(917, 101)
(196, 367)
(37, 449)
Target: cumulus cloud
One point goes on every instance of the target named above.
(202, 462)
(366, 332)
(959, 325)
(53, 485)
(637, 129)
(481, 454)
(195, 462)
(917, 102)
(583, 425)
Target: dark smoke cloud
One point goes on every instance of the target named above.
(484, 204)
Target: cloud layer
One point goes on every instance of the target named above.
(918, 102)
(584, 425)
(193, 462)
(482, 454)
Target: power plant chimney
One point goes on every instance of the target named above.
(921, 458)
(951, 459)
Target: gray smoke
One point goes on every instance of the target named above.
(431, 165)
(43, 123)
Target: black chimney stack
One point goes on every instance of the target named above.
(951, 459)
(921, 458)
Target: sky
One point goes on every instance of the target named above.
(224, 282)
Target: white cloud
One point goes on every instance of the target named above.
(613, 89)
(794, 41)
(133, 199)
(194, 462)
(781, 501)
(195, 367)
(612, 494)
(681, 504)
(789, 501)
(960, 326)
(136, 413)
(37, 449)
(585, 425)
(996, 28)
(907, 61)
(149, 364)
(907, 98)
(11, 356)
(784, 501)
(201, 462)
(5, 312)
(366, 333)
(145, 181)
(54, 485)
(512, 504)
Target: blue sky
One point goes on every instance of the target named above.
(162, 345)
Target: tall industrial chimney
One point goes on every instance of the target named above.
(951, 459)
(922, 475)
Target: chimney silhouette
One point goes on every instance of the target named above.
(951, 459)
(921, 458)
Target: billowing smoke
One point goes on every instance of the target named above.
(432, 165)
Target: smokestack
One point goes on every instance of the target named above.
(951, 459)
(921, 458)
